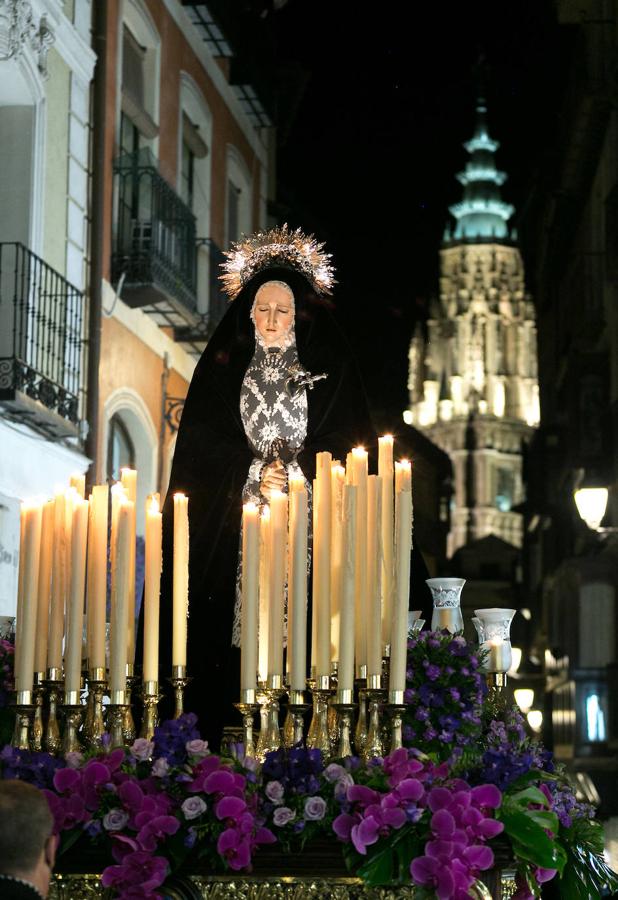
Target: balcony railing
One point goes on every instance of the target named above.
(40, 342)
(208, 318)
(154, 249)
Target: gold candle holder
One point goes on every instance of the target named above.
(396, 710)
(37, 722)
(150, 715)
(94, 726)
(128, 725)
(179, 681)
(270, 734)
(345, 710)
(72, 711)
(360, 734)
(247, 707)
(24, 714)
(318, 737)
(374, 745)
(297, 709)
(115, 717)
(496, 681)
(51, 733)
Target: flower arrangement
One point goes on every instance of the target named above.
(432, 813)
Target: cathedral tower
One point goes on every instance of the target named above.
(473, 376)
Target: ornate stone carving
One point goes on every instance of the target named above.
(19, 29)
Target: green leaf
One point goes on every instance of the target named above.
(530, 795)
(529, 837)
(68, 839)
(379, 869)
(546, 820)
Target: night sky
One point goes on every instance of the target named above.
(374, 102)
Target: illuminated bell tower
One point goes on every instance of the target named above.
(473, 378)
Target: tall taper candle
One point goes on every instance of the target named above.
(250, 596)
(264, 594)
(359, 476)
(297, 590)
(278, 558)
(181, 580)
(79, 483)
(345, 672)
(120, 604)
(387, 577)
(152, 586)
(75, 609)
(128, 478)
(59, 584)
(321, 564)
(374, 610)
(26, 628)
(44, 587)
(399, 631)
(97, 575)
(337, 483)
(23, 515)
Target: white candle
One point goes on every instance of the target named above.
(152, 586)
(26, 627)
(337, 484)
(345, 673)
(250, 596)
(278, 558)
(180, 580)
(374, 610)
(44, 587)
(59, 585)
(297, 590)
(264, 594)
(387, 579)
(97, 575)
(399, 631)
(321, 564)
(79, 483)
(359, 479)
(75, 608)
(128, 478)
(120, 602)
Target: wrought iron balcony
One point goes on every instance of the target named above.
(197, 335)
(40, 343)
(154, 252)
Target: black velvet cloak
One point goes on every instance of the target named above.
(211, 464)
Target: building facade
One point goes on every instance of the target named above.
(46, 66)
(570, 235)
(472, 377)
(130, 161)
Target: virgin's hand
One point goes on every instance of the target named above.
(273, 478)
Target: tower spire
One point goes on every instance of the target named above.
(482, 214)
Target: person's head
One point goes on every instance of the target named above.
(273, 312)
(27, 842)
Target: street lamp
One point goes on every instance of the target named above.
(591, 504)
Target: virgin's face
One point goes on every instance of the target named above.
(273, 312)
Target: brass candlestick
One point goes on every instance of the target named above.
(496, 681)
(115, 717)
(318, 737)
(37, 722)
(179, 681)
(345, 710)
(375, 697)
(360, 735)
(94, 726)
(51, 734)
(297, 709)
(270, 735)
(396, 709)
(150, 715)
(247, 707)
(24, 714)
(128, 725)
(72, 711)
